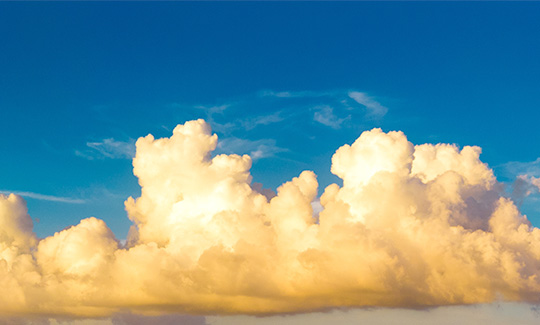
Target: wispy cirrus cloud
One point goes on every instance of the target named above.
(325, 115)
(514, 168)
(251, 123)
(221, 122)
(44, 197)
(330, 108)
(374, 108)
(337, 100)
(108, 148)
(256, 149)
(296, 94)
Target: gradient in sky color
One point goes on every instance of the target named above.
(79, 73)
(81, 82)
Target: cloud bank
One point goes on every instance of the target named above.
(412, 226)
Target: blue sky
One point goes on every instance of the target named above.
(74, 74)
(288, 83)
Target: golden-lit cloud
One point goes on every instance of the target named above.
(412, 226)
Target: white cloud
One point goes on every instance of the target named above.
(251, 123)
(44, 197)
(515, 168)
(294, 94)
(108, 148)
(411, 227)
(332, 108)
(214, 109)
(257, 149)
(325, 115)
(374, 108)
(336, 98)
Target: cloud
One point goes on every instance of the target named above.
(108, 148)
(211, 110)
(525, 185)
(524, 178)
(257, 149)
(374, 108)
(534, 181)
(294, 94)
(331, 108)
(251, 123)
(413, 226)
(216, 113)
(325, 115)
(513, 169)
(44, 197)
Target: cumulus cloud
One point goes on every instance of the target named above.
(412, 226)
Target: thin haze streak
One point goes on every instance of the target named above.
(44, 197)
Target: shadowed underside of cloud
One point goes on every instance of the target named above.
(412, 226)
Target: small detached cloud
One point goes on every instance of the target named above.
(108, 149)
(525, 185)
(513, 168)
(296, 94)
(535, 181)
(524, 178)
(374, 108)
(325, 115)
(251, 123)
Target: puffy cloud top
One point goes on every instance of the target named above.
(412, 226)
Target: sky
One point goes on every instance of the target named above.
(288, 83)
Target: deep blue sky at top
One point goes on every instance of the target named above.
(79, 73)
